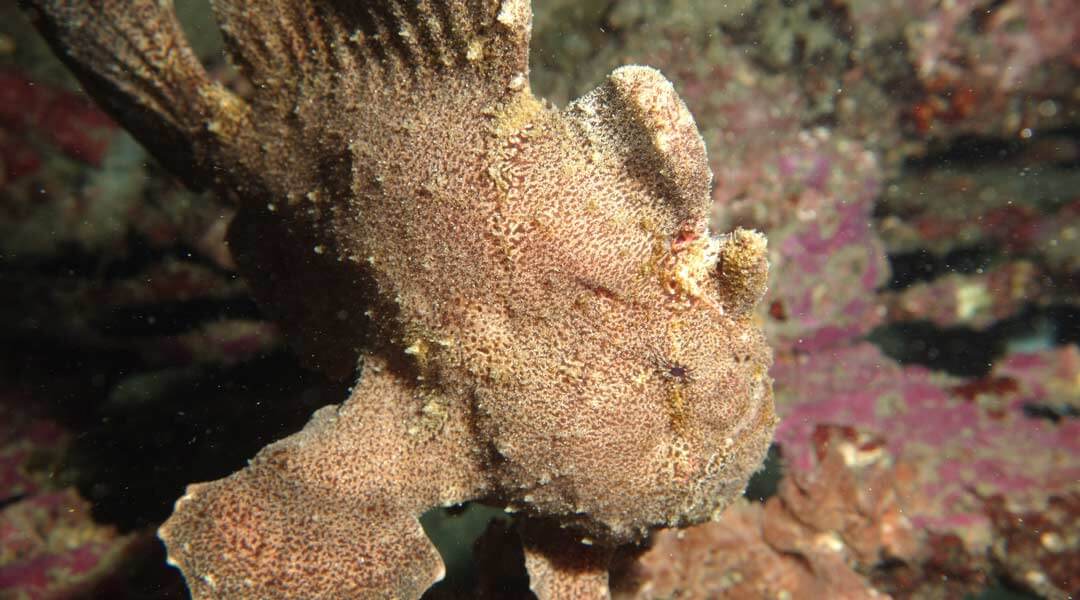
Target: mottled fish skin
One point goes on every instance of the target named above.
(543, 318)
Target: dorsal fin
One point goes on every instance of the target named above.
(279, 41)
(132, 56)
(638, 116)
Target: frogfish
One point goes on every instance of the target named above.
(529, 298)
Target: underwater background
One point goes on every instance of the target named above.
(913, 163)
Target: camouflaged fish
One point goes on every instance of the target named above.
(544, 321)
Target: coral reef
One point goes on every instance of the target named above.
(74, 205)
(31, 446)
(1048, 379)
(543, 318)
(900, 77)
(50, 547)
(913, 165)
(961, 436)
(73, 558)
(1039, 550)
(1033, 216)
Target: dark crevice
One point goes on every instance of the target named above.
(135, 458)
(966, 152)
(981, 18)
(1003, 589)
(1051, 148)
(765, 482)
(968, 352)
(910, 268)
(171, 318)
(73, 261)
(8, 501)
(1066, 321)
(141, 435)
(66, 381)
(482, 551)
(1066, 160)
(1051, 412)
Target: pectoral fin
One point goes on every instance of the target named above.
(331, 511)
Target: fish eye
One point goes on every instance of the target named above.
(671, 370)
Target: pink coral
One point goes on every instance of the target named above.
(965, 444)
(26, 441)
(65, 119)
(1040, 378)
(51, 548)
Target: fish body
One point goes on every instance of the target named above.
(541, 316)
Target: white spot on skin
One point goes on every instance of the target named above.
(475, 51)
(514, 13)
(1052, 541)
(209, 579)
(829, 541)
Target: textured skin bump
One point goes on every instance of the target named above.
(663, 118)
(546, 320)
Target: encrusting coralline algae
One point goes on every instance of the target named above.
(543, 319)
